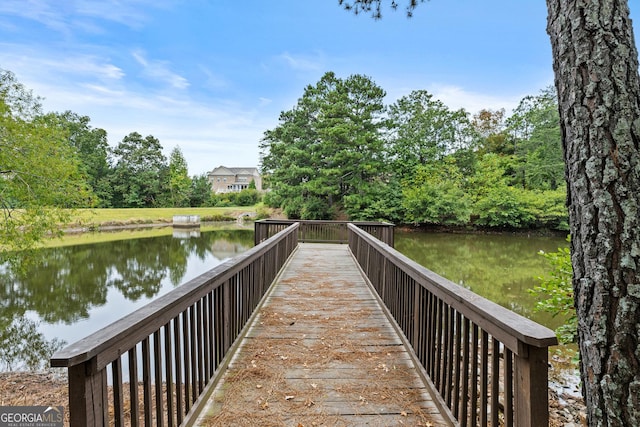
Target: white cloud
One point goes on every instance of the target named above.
(303, 62)
(210, 132)
(48, 13)
(456, 97)
(67, 16)
(48, 65)
(213, 80)
(159, 71)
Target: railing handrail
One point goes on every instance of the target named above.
(480, 360)
(105, 344)
(509, 327)
(324, 231)
(323, 221)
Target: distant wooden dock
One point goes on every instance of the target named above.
(321, 351)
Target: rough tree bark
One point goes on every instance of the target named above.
(596, 74)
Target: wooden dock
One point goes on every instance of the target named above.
(321, 351)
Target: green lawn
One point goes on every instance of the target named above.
(96, 219)
(103, 217)
(74, 239)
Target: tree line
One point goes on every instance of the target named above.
(341, 152)
(60, 159)
(50, 162)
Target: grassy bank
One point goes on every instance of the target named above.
(96, 218)
(124, 221)
(74, 239)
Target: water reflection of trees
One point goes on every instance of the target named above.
(68, 281)
(22, 346)
(499, 267)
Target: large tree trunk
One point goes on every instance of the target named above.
(596, 74)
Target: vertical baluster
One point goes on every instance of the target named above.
(219, 326)
(495, 381)
(194, 354)
(207, 337)
(433, 334)
(157, 365)
(450, 361)
(484, 379)
(178, 362)
(465, 373)
(226, 321)
(168, 357)
(458, 367)
(216, 327)
(118, 401)
(146, 382)
(445, 352)
(474, 376)
(508, 388)
(406, 304)
(187, 360)
(438, 344)
(199, 347)
(418, 324)
(133, 386)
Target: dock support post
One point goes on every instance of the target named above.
(87, 395)
(532, 388)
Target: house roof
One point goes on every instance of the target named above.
(222, 170)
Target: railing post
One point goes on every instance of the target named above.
(87, 395)
(531, 388)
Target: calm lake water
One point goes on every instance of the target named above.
(79, 289)
(500, 267)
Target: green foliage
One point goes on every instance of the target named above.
(246, 197)
(556, 293)
(498, 204)
(491, 128)
(504, 206)
(200, 192)
(140, 177)
(435, 195)
(316, 208)
(423, 129)
(327, 147)
(91, 147)
(272, 199)
(179, 181)
(383, 202)
(534, 129)
(423, 163)
(549, 209)
(40, 173)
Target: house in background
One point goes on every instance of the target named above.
(229, 180)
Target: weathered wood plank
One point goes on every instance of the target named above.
(321, 347)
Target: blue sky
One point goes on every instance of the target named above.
(210, 76)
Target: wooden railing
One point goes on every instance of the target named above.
(486, 364)
(323, 231)
(157, 365)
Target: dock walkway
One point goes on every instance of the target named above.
(321, 351)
